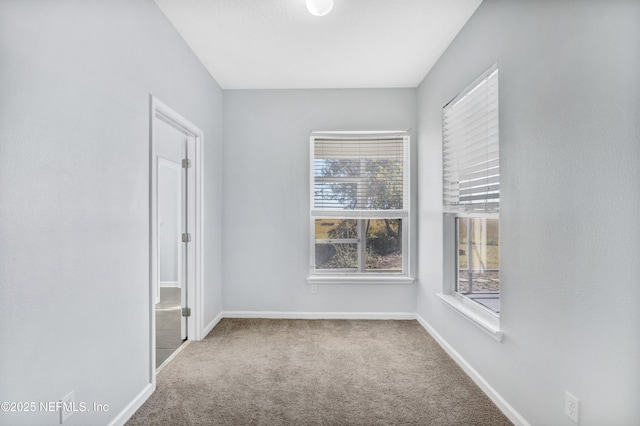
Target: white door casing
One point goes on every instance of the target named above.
(163, 121)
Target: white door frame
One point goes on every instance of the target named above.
(195, 136)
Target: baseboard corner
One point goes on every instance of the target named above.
(133, 406)
(482, 383)
(207, 329)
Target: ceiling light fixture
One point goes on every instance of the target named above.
(319, 7)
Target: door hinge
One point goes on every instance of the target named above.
(186, 312)
(186, 238)
(186, 163)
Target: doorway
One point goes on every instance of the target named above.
(171, 284)
(175, 243)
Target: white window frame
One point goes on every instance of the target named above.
(361, 275)
(481, 316)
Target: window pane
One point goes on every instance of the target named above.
(332, 254)
(336, 229)
(336, 256)
(384, 244)
(479, 261)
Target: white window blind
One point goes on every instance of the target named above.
(360, 176)
(471, 171)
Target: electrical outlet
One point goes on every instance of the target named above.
(571, 406)
(314, 288)
(66, 406)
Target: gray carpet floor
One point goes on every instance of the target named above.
(316, 372)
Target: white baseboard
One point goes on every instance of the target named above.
(207, 329)
(497, 399)
(320, 315)
(133, 406)
(173, 284)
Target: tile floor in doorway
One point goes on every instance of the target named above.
(168, 318)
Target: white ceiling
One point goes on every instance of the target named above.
(278, 44)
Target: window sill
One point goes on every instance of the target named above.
(486, 321)
(360, 279)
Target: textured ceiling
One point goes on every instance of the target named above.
(278, 44)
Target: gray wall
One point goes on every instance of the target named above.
(75, 79)
(570, 155)
(266, 191)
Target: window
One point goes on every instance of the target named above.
(359, 205)
(471, 193)
(478, 260)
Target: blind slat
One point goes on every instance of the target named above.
(475, 207)
(491, 180)
(471, 106)
(359, 174)
(472, 177)
(483, 155)
(468, 140)
(359, 214)
(484, 189)
(477, 168)
(471, 166)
